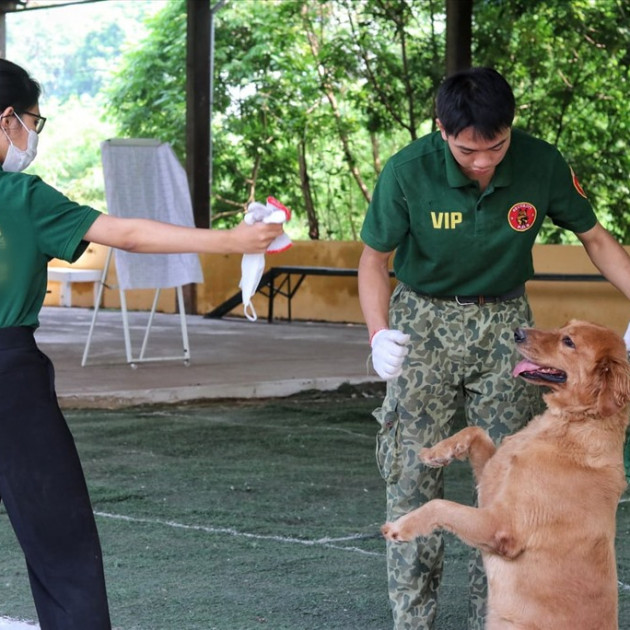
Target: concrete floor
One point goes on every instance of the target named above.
(229, 358)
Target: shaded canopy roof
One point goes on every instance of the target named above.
(9, 6)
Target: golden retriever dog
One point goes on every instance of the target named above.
(548, 494)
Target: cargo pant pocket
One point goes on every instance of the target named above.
(388, 444)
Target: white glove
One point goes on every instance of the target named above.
(388, 351)
(626, 338)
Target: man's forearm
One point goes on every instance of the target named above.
(374, 293)
(609, 257)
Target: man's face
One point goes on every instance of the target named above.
(476, 156)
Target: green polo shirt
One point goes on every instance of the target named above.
(37, 223)
(451, 239)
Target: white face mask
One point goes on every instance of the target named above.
(252, 268)
(16, 159)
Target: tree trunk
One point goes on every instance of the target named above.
(376, 153)
(327, 88)
(305, 185)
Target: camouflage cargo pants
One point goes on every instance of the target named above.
(455, 349)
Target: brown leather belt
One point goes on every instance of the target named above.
(480, 300)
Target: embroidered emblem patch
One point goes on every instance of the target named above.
(576, 183)
(521, 216)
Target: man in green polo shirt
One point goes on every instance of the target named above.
(461, 209)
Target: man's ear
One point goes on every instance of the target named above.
(5, 116)
(440, 126)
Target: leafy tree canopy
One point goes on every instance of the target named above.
(72, 51)
(312, 96)
(569, 66)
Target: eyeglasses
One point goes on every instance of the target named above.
(40, 121)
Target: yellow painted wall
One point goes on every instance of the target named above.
(331, 299)
(336, 299)
(83, 295)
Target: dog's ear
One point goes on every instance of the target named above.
(614, 385)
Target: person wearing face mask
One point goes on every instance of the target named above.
(41, 480)
(461, 208)
(16, 159)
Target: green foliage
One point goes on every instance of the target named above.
(569, 66)
(71, 51)
(399, 60)
(147, 95)
(86, 71)
(312, 96)
(71, 161)
(328, 85)
(375, 60)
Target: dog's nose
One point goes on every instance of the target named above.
(520, 335)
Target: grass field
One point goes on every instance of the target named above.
(263, 514)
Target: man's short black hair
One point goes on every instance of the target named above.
(478, 97)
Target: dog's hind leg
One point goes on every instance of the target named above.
(472, 443)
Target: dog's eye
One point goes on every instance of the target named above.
(568, 342)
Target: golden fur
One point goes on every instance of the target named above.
(548, 495)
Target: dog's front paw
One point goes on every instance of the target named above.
(419, 522)
(393, 531)
(443, 453)
(430, 458)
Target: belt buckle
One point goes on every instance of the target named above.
(469, 302)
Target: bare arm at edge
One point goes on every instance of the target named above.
(374, 288)
(608, 256)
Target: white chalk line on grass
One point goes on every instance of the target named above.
(321, 542)
(7, 623)
(270, 426)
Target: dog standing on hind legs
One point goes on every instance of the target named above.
(548, 494)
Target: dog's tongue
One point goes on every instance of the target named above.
(524, 366)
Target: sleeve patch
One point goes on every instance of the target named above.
(576, 184)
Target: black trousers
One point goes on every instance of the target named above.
(44, 492)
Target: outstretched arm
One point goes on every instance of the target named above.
(608, 256)
(154, 237)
